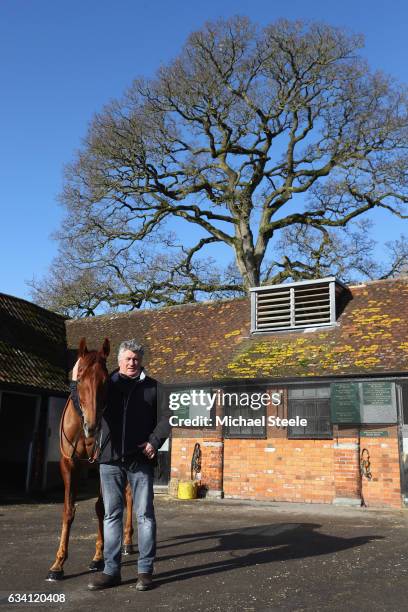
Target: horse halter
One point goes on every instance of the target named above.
(97, 443)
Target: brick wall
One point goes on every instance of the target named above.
(384, 489)
(346, 457)
(278, 469)
(295, 470)
(211, 461)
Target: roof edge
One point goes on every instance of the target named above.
(40, 308)
(143, 311)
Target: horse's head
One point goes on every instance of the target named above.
(92, 387)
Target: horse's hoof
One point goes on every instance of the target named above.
(54, 575)
(97, 566)
(128, 549)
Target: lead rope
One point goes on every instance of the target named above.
(196, 461)
(365, 464)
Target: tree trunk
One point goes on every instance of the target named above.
(248, 264)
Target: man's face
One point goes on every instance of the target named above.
(130, 363)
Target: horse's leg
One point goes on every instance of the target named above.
(128, 532)
(97, 562)
(70, 477)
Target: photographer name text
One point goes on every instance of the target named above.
(238, 421)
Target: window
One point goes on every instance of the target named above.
(191, 403)
(295, 305)
(313, 404)
(243, 404)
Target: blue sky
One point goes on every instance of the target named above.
(62, 61)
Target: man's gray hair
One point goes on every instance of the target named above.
(130, 345)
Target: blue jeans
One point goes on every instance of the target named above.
(113, 482)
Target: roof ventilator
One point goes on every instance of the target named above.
(298, 305)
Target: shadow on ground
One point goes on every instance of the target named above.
(246, 547)
(11, 495)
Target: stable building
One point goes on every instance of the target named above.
(33, 390)
(297, 393)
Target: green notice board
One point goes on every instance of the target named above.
(373, 433)
(364, 402)
(345, 403)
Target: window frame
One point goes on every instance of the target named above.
(256, 414)
(315, 435)
(209, 413)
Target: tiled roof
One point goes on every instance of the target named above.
(32, 345)
(183, 343)
(371, 337)
(210, 340)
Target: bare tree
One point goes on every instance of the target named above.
(126, 282)
(350, 254)
(250, 136)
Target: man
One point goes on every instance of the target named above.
(131, 437)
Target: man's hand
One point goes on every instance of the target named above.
(75, 371)
(148, 450)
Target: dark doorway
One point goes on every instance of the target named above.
(162, 470)
(403, 400)
(18, 420)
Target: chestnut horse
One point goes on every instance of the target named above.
(80, 441)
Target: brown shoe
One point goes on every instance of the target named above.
(104, 581)
(144, 582)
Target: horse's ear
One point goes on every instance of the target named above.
(82, 351)
(105, 350)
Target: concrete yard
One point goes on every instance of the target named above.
(220, 555)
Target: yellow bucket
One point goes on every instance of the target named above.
(187, 490)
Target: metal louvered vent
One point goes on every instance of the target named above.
(295, 305)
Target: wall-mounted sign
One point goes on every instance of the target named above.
(373, 433)
(378, 402)
(377, 393)
(345, 403)
(365, 402)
